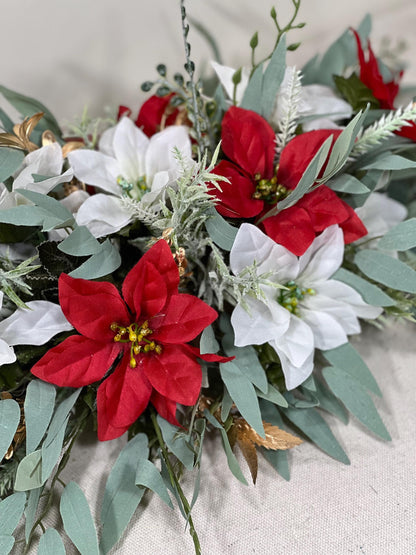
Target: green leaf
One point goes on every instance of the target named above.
(311, 423)
(248, 363)
(355, 398)
(274, 396)
(11, 511)
(221, 232)
(386, 270)
(30, 512)
(80, 243)
(369, 292)
(39, 405)
(10, 160)
(103, 263)
(29, 472)
(232, 461)
(121, 495)
(176, 442)
(391, 162)
(272, 78)
(61, 415)
(346, 183)
(355, 92)
(148, 476)
(243, 394)
(329, 403)
(29, 106)
(24, 215)
(402, 237)
(279, 458)
(51, 543)
(9, 420)
(6, 122)
(349, 360)
(77, 520)
(252, 95)
(207, 342)
(53, 209)
(226, 404)
(6, 544)
(51, 451)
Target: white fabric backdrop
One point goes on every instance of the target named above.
(97, 52)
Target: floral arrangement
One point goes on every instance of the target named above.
(198, 268)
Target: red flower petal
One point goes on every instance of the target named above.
(236, 197)
(324, 207)
(76, 362)
(121, 399)
(149, 293)
(123, 111)
(249, 141)
(92, 306)
(153, 111)
(175, 374)
(298, 153)
(208, 357)
(352, 227)
(165, 407)
(291, 228)
(160, 256)
(185, 316)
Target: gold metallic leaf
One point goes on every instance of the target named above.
(250, 454)
(48, 138)
(22, 132)
(70, 146)
(275, 437)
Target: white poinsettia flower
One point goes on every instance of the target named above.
(314, 100)
(312, 312)
(379, 214)
(42, 170)
(34, 325)
(127, 165)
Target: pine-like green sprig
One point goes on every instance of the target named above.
(12, 279)
(384, 128)
(287, 125)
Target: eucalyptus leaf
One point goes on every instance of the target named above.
(121, 495)
(252, 95)
(311, 423)
(61, 415)
(6, 122)
(10, 161)
(346, 183)
(221, 232)
(243, 394)
(370, 293)
(232, 461)
(176, 442)
(38, 406)
(9, 421)
(274, 396)
(77, 520)
(207, 342)
(11, 511)
(80, 242)
(402, 237)
(272, 78)
(29, 472)
(279, 458)
(330, 403)
(100, 264)
(349, 360)
(355, 398)
(148, 476)
(386, 270)
(6, 544)
(226, 404)
(248, 363)
(51, 451)
(51, 543)
(56, 215)
(31, 509)
(391, 162)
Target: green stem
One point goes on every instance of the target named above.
(175, 483)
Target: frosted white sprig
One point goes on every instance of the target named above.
(288, 109)
(384, 128)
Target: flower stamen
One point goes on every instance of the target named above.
(137, 337)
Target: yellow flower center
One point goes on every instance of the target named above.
(137, 336)
(269, 190)
(290, 297)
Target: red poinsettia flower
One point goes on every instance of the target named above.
(141, 336)
(155, 111)
(256, 185)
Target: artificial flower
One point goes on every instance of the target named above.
(154, 112)
(127, 165)
(141, 336)
(34, 325)
(311, 312)
(256, 185)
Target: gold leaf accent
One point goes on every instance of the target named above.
(70, 146)
(250, 454)
(276, 438)
(48, 138)
(22, 132)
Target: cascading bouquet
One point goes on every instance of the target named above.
(198, 268)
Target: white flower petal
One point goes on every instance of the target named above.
(95, 168)
(34, 326)
(6, 353)
(103, 214)
(298, 341)
(225, 75)
(261, 324)
(320, 99)
(130, 146)
(251, 244)
(323, 258)
(74, 201)
(47, 185)
(105, 144)
(342, 312)
(327, 331)
(161, 156)
(379, 214)
(45, 161)
(343, 292)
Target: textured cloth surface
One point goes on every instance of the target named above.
(367, 508)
